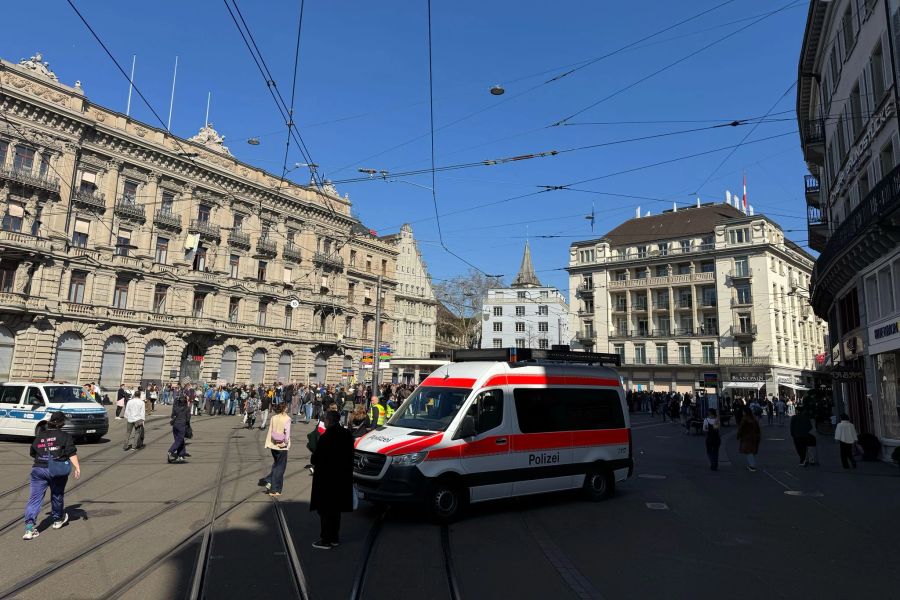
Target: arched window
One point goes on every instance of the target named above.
(7, 345)
(284, 366)
(68, 357)
(154, 354)
(258, 366)
(321, 368)
(228, 371)
(112, 364)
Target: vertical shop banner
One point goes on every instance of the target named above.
(368, 358)
(384, 356)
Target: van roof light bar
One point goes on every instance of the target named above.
(517, 355)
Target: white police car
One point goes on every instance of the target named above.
(25, 404)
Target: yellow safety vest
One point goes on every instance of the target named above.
(380, 410)
(389, 411)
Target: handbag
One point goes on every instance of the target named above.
(188, 432)
(59, 468)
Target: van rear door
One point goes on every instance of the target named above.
(32, 409)
(10, 398)
(485, 456)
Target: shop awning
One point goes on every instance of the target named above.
(794, 386)
(747, 385)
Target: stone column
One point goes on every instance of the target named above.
(111, 189)
(142, 237)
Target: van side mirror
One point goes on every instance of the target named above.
(466, 428)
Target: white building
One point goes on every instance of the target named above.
(701, 297)
(847, 100)
(526, 314)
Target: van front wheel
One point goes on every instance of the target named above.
(446, 499)
(599, 484)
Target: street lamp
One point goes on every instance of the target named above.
(497, 90)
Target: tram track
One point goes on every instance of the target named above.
(87, 479)
(359, 581)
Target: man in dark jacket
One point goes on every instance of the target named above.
(801, 431)
(332, 488)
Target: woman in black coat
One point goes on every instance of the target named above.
(332, 488)
(180, 422)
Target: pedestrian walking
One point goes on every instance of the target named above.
(180, 422)
(278, 441)
(713, 438)
(135, 415)
(265, 404)
(360, 423)
(153, 396)
(845, 434)
(332, 488)
(780, 410)
(748, 434)
(55, 456)
(121, 398)
(801, 432)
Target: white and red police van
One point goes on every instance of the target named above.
(499, 423)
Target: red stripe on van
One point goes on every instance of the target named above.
(408, 446)
(462, 382)
(550, 380)
(527, 442)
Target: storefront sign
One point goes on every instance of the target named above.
(884, 331)
(884, 336)
(787, 379)
(710, 379)
(753, 377)
(853, 346)
(843, 373)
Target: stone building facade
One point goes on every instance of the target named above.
(705, 297)
(128, 254)
(847, 112)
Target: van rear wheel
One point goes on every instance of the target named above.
(599, 484)
(446, 500)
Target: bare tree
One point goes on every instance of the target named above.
(464, 297)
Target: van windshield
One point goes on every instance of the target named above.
(430, 408)
(58, 394)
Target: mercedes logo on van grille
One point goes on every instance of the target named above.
(361, 461)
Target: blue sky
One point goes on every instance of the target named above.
(362, 102)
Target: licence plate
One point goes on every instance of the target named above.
(91, 431)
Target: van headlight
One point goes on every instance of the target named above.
(407, 460)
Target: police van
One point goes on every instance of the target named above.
(25, 404)
(499, 423)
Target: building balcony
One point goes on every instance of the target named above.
(585, 337)
(708, 304)
(661, 307)
(584, 290)
(684, 305)
(639, 307)
(291, 252)
(585, 313)
(745, 361)
(812, 190)
(205, 230)
(619, 307)
(127, 209)
(92, 200)
(817, 228)
(24, 241)
(167, 219)
(332, 260)
(741, 302)
(266, 246)
(747, 332)
(812, 133)
(741, 274)
(29, 179)
(239, 239)
(668, 361)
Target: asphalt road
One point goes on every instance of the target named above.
(675, 530)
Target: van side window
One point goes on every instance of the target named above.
(487, 410)
(34, 397)
(540, 410)
(10, 394)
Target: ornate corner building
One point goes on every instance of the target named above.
(130, 255)
(847, 99)
(706, 297)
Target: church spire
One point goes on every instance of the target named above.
(526, 277)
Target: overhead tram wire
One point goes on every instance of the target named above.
(290, 122)
(578, 66)
(184, 155)
(668, 66)
(434, 201)
(744, 139)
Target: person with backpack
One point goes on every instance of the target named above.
(713, 438)
(278, 441)
(55, 456)
(251, 409)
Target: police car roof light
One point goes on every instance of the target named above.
(520, 355)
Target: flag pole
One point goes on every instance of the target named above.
(172, 97)
(130, 85)
(208, 98)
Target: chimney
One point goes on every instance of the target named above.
(674, 207)
(637, 213)
(728, 197)
(751, 210)
(698, 201)
(648, 214)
